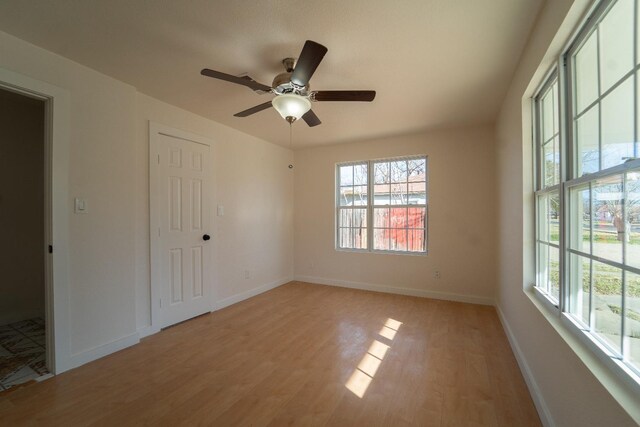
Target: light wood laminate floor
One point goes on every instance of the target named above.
(299, 355)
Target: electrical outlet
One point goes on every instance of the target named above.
(436, 275)
(247, 274)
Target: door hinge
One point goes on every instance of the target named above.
(158, 158)
(50, 249)
(160, 302)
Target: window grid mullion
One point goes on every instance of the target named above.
(591, 308)
(599, 98)
(635, 77)
(624, 342)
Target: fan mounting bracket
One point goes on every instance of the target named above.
(289, 64)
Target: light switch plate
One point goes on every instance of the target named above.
(81, 206)
(220, 210)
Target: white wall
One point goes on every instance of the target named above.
(567, 392)
(21, 207)
(101, 169)
(255, 186)
(461, 218)
(108, 165)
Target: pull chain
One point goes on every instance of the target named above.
(290, 140)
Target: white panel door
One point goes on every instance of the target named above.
(185, 229)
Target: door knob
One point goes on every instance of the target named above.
(206, 237)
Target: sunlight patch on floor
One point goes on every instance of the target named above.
(362, 376)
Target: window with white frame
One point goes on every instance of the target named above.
(381, 205)
(588, 188)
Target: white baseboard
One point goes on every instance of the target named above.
(146, 331)
(95, 353)
(538, 400)
(250, 293)
(401, 291)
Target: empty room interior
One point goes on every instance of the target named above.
(327, 213)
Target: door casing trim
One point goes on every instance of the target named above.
(56, 145)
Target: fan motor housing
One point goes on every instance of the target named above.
(282, 82)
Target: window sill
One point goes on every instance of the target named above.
(546, 300)
(622, 383)
(374, 252)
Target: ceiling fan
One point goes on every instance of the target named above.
(291, 88)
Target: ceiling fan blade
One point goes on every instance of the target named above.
(253, 110)
(311, 119)
(244, 81)
(310, 57)
(344, 95)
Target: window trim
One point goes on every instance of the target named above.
(370, 206)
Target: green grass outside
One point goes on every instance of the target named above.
(604, 284)
(602, 238)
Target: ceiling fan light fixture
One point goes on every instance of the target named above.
(291, 106)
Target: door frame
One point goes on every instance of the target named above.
(155, 240)
(56, 203)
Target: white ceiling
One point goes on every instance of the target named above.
(433, 63)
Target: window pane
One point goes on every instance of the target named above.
(359, 218)
(345, 217)
(381, 173)
(548, 165)
(547, 116)
(588, 160)
(398, 239)
(398, 218)
(360, 174)
(346, 175)
(345, 238)
(352, 238)
(359, 238)
(347, 196)
(579, 287)
(579, 219)
(416, 217)
(616, 43)
(586, 73)
(416, 241)
(417, 193)
(381, 217)
(360, 195)
(617, 125)
(399, 171)
(632, 318)
(399, 194)
(633, 219)
(608, 224)
(543, 218)
(553, 215)
(554, 272)
(381, 239)
(382, 194)
(607, 300)
(417, 168)
(543, 267)
(556, 160)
